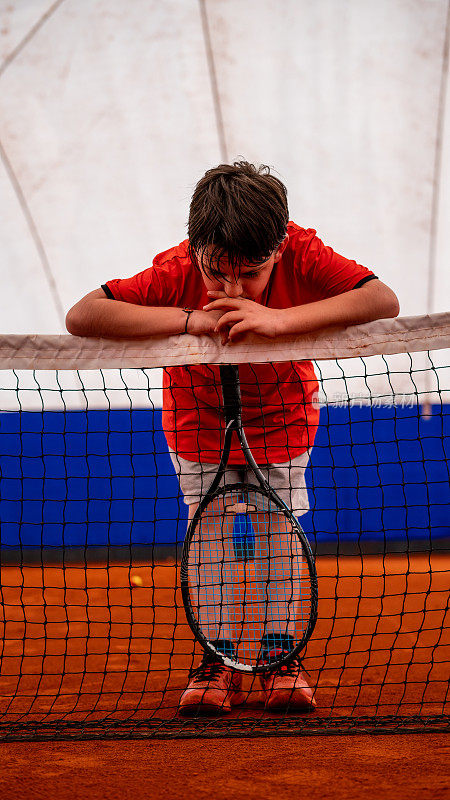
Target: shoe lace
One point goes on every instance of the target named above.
(292, 667)
(209, 670)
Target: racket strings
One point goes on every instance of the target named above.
(243, 592)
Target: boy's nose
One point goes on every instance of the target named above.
(233, 288)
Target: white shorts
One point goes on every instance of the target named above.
(288, 480)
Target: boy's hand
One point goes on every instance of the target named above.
(202, 322)
(240, 316)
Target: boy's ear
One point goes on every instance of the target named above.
(281, 248)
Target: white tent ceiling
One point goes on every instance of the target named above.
(112, 110)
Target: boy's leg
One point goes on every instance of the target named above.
(213, 572)
(213, 565)
(212, 688)
(278, 556)
(280, 572)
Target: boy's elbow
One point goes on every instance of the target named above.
(392, 306)
(71, 325)
(382, 300)
(75, 322)
(83, 317)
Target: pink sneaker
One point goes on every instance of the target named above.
(212, 689)
(286, 689)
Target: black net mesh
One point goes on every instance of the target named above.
(94, 638)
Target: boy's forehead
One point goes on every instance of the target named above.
(209, 259)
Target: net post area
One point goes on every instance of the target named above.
(94, 637)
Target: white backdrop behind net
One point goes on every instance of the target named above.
(102, 178)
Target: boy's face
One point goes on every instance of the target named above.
(248, 284)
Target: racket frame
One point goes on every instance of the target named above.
(229, 374)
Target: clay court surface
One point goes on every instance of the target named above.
(90, 648)
(412, 767)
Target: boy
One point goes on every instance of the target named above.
(244, 268)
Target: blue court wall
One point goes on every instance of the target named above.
(105, 478)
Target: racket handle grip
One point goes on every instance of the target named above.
(231, 391)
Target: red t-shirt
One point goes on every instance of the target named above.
(278, 411)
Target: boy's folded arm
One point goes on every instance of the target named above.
(96, 315)
(374, 300)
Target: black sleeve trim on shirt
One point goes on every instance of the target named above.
(108, 291)
(365, 280)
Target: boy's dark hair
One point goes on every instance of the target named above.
(240, 211)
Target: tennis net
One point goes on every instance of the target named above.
(94, 639)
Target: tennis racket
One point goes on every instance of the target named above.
(248, 576)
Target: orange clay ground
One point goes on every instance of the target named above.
(90, 648)
(408, 767)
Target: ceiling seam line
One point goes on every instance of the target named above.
(29, 36)
(432, 253)
(213, 82)
(35, 235)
